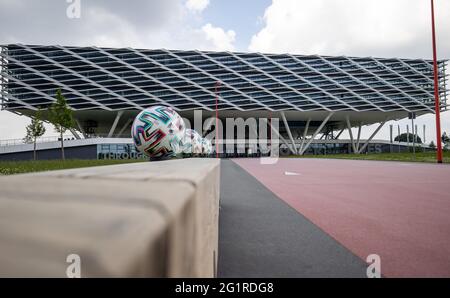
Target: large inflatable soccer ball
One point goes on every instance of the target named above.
(158, 132)
(192, 142)
(206, 146)
(187, 145)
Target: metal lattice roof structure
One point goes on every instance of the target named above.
(110, 79)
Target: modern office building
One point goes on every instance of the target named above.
(310, 94)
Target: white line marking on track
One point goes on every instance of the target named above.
(291, 173)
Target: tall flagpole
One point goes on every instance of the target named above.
(436, 90)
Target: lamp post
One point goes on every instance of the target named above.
(436, 90)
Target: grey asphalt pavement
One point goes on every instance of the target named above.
(262, 236)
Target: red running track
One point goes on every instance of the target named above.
(398, 210)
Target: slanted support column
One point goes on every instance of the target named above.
(75, 134)
(125, 126)
(304, 135)
(316, 132)
(281, 137)
(349, 127)
(288, 131)
(113, 127)
(80, 128)
(339, 134)
(359, 137)
(371, 137)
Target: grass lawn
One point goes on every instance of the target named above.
(420, 156)
(17, 167)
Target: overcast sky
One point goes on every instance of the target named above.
(380, 28)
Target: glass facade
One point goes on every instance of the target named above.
(110, 79)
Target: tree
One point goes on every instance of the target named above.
(35, 130)
(432, 145)
(404, 137)
(60, 115)
(445, 138)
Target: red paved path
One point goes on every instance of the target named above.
(400, 211)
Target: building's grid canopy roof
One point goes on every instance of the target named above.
(110, 79)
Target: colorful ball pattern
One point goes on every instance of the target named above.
(192, 142)
(206, 146)
(158, 132)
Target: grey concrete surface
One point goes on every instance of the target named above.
(261, 236)
(154, 219)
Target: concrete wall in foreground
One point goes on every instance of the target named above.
(150, 219)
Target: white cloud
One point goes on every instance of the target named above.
(123, 33)
(197, 5)
(147, 24)
(353, 27)
(220, 39)
(13, 126)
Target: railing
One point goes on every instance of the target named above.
(12, 142)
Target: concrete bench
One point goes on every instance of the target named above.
(151, 219)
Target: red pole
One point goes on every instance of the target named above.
(436, 90)
(217, 119)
